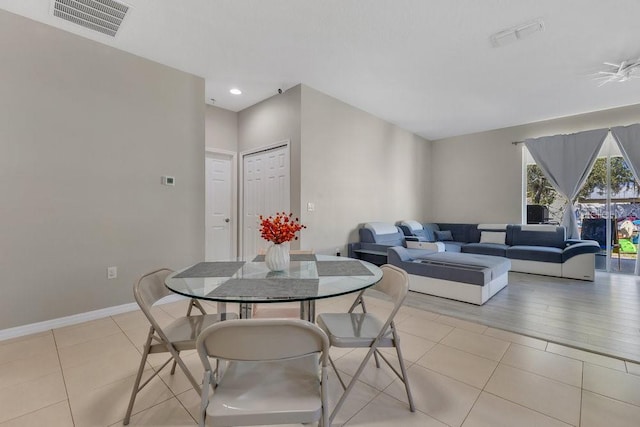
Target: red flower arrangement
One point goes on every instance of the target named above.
(281, 228)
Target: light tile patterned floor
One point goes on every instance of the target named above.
(461, 373)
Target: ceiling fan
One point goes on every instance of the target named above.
(622, 72)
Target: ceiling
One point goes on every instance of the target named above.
(427, 66)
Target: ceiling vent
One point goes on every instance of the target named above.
(104, 16)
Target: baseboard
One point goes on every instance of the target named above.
(74, 319)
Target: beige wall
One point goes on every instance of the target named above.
(479, 177)
(357, 168)
(86, 133)
(274, 120)
(221, 129)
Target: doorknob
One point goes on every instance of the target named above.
(226, 220)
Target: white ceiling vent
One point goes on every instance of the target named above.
(104, 16)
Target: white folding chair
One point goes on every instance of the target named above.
(178, 336)
(358, 330)
(272, 375)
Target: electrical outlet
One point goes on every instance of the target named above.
(112, 272)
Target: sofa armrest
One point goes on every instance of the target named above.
(582, 247)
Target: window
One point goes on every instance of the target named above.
(608, 206)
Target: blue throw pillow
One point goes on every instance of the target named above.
(444, 235)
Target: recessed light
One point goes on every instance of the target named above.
(235, 91)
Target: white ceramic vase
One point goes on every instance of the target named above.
(277, 257)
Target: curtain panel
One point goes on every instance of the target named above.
(628, 139)
(566, 161)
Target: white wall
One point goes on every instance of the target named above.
(221, 129)
(478, 177)
(273, 120)
(356, 168)
(86, 133)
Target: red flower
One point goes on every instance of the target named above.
(281, 228)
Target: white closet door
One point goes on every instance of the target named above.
(265, 192)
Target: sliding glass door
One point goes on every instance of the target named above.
(608, 207)
(609, 210)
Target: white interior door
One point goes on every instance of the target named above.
(265, 192)
(219, 235)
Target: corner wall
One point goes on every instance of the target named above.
(357, 168)
(478, 178)
(274, 120)
(221, 129)
(87, 132)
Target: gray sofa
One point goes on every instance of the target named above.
(538, 249)
(464, 277)
(375, 239)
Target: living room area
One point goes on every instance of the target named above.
(92, 130)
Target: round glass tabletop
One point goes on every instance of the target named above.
(309, 278)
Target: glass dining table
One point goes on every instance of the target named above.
(307, 279)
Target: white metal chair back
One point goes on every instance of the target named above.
(262, 340)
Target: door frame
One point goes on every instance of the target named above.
(283, 143)
(233, 229)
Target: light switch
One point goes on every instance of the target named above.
(311, 207)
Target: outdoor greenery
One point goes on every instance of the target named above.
(621, 178)
(540, 191)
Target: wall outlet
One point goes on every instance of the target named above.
(112, 272)
(168, 180)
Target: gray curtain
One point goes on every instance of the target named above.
(628, 139)
(566, 161)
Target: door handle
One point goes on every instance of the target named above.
(227, 220)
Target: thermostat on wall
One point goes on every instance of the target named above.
(168, 180)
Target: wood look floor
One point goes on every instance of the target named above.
(601, 316)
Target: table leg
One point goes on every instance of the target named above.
(308, 310)
(222, 307)
(245, 310)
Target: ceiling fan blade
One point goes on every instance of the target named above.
(622, 65)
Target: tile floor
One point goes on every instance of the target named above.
(461, 373)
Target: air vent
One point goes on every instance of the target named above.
(104, 16)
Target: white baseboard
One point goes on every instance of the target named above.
(74, 319)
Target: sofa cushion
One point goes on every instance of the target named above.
(535, 253)
(467, 233)
(372, 233)
(429, 231)
(536, 235)
(412, 224)
(379, 227)
(498, 237)
(497, 265)
(443, 236)
(493, 249)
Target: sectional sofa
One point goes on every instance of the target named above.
(470, 262)
(538, 249)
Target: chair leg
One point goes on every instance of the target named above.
(335, 369)
(136, 384)
(177, 359)
(352, 383)
(375, 357)
(405, 378)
